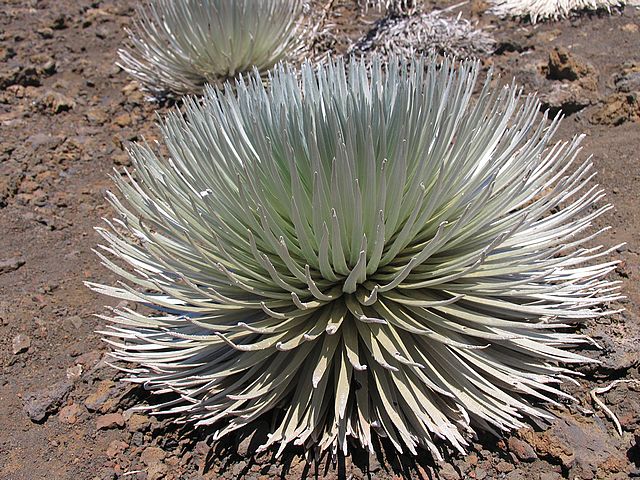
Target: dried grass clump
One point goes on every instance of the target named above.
(425, 33)
(176, 47)
(536, 10)
(358, 251)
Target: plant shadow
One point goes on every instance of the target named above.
(236, 453)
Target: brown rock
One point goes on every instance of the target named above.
(504, 467)
(123, 120)
(74, 373)
(121, 158)
(522, 450)
(617, 109)
(157, 471)
(448, 472)
(152, 455)
(96, 401)
(70, 414)
(613, 464)
(29, 186)
(130, 87)
(56, 102)
(568, 98)
(138, 423)
(75, 321)
(96, 116)
(116, 447)
(89, 359)
(548, 444)
(563, 65)
(201, 452)
(11, 264)
(109, 421)
(579, 445)
(20, 344)
(133, 93)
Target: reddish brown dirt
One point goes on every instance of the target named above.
(65, 112)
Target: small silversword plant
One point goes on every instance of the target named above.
(358, 251)
(424, 33)
(176, 47)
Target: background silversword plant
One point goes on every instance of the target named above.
(358, 252)
(548, 9)
(176, 47)
(424, 33)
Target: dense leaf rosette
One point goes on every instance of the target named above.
(176, 47)
(359, 252)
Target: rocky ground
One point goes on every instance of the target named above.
(66, 111)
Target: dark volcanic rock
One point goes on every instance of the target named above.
(42, 403)
(25, 76)
(584, 449)
(628, 82)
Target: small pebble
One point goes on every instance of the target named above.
(74, 373)
(504, 467)
(70, 414)
(116, 447)
(21, 343)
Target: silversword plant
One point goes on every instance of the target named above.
(536, 10)
(176, 47)
(358, 251)
(424, 33)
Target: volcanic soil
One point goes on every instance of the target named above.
(66, 113)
